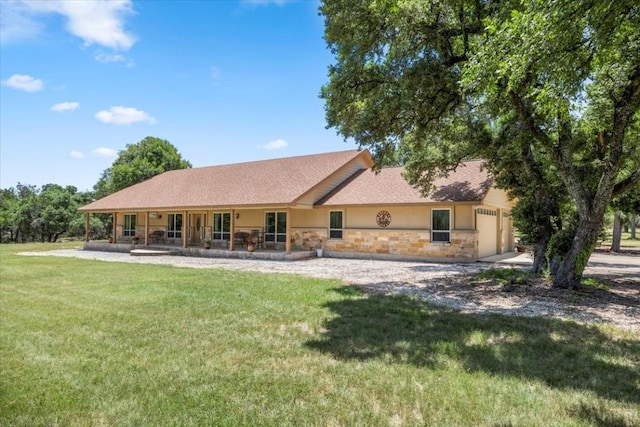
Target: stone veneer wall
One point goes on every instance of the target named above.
(308, 238)
(414, 243)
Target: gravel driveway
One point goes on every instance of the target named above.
(440, 283)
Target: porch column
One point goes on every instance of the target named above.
(287, 245)
(86, 227)
(146, 228)
(185, 228)
(233, 226)
(115, 226)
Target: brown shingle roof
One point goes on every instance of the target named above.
(267, 182)
(469, 182)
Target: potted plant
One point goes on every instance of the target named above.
(135, 240)
(521, 247)
(110, 240)
(319, 249)
(251, 244)
(207, 244)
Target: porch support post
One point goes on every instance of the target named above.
(185, 228)
(233, 226)
(287, 245)
(115, 226)
(86, 226)
(146, 228)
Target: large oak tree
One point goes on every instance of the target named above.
(547, 91)
(139, 162)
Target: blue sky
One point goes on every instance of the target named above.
(223, 81)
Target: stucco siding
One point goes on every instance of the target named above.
(401, 217)
(463, 218)
(497, 198)
(313, 218)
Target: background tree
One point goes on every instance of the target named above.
(28, 213)
(441, 80)
(625, 208)
(21, 212)
(9, 211)
(139, 162)
(56, 207)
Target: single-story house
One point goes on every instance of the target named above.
(331, 201)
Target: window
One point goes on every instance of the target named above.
(129, 225)
(174, 226)
(275, 227)
(335, 225)
(440, 225)
(222, 226)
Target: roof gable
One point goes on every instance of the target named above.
(469, 182)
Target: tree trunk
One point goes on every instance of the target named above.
(633, 226)
(570, 271)
(539, 257)
(617, 231)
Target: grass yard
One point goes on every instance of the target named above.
(626, 244)
(95, 343)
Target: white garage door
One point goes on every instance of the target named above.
(487, 237)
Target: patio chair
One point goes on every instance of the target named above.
(256, 237)
(240, 237)
(157, 236)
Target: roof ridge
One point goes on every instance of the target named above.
(298, 157)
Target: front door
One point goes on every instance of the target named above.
(197, 228)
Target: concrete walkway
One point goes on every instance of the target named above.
(509, 258)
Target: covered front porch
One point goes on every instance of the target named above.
(156, 249)
(206, 231)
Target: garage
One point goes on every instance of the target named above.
(487, 226)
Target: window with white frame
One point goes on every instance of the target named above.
(222, 226)
(129, 225)
(441, 225)
(335, 225)
(174, 226)
(275, 227)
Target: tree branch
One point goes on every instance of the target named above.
(627, 184)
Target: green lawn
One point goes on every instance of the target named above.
(93, 343)
(625, 242)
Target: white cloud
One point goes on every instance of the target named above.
(24, 82)
(107, 58)
(76, 155)
(124, 116)
(65, 106)
(17, 23)
(95, 22)
(104, 152)
(276, 144)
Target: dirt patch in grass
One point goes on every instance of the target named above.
(607, 295)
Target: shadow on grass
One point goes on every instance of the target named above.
(562, 354)
(599, 416)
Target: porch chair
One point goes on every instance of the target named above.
(157, 236)
(256, 236)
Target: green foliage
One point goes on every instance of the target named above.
(583, 259)
(28, 213)
(593, 283)
(506, 276)
(139, 162)
(560, 244)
